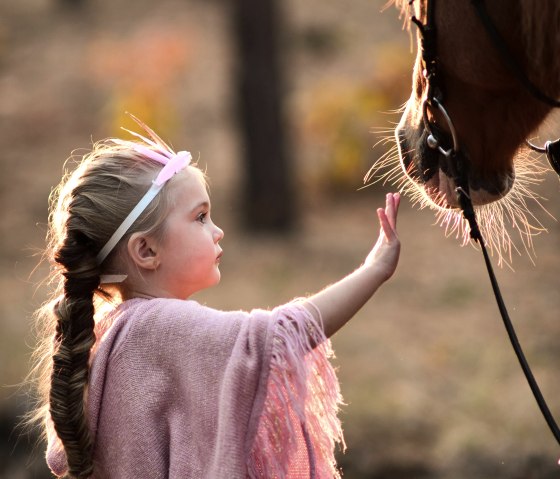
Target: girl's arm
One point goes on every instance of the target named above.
(340, 301)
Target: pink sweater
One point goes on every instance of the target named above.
(179, 390)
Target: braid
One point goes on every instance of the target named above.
(74, 338)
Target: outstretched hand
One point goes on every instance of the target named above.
(341, 300)
(385, 254)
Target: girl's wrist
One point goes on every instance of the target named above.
(377, 274)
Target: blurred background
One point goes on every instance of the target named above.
(282, 103)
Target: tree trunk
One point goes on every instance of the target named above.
(268, 192)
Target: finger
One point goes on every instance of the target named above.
(389, 204)
(390, 209)
(397, 200)
(386, 228)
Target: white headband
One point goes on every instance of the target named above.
(173, 163)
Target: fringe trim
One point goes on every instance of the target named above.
(301, 404)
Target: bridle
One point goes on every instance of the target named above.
(448, 145)
(434, 98)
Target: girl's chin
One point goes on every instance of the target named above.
(217, 278)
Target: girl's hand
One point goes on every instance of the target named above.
(341, 300)
(385, 254)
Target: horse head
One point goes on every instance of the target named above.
(467, 131)
(491, 111)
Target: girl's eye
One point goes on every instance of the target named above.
(201, 218)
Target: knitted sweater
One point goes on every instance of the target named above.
(179, 390)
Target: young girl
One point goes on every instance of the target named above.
(142, 382)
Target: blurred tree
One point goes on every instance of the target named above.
(72, 3)
(268, 192)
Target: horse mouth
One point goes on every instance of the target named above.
(431, 173)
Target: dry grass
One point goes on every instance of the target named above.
(432, 387)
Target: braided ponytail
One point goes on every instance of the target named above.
(74, 339)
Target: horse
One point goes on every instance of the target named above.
(481, 109)
(484, 79)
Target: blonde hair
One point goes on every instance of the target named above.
(85, 210)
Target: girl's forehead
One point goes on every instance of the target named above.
(189, 185)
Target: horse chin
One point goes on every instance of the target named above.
(441, 191)
(427, 169)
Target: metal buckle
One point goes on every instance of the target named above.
(432, 140)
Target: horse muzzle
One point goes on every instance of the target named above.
(432, 166)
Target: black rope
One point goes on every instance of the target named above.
(518, 350)
(470, 216)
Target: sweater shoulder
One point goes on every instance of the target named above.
(170, 325)
(174, 315)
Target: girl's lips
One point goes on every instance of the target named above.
(219, 257)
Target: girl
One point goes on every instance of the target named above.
(139, 380)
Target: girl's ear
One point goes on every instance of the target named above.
(143, 250)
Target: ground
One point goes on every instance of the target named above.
(432, 387)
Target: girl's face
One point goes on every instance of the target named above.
(189, 252)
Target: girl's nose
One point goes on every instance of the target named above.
(218, 234)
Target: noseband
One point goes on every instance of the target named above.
(448, 145)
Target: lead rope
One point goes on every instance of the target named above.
(470, 216)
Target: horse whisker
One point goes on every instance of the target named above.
(503, 223)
